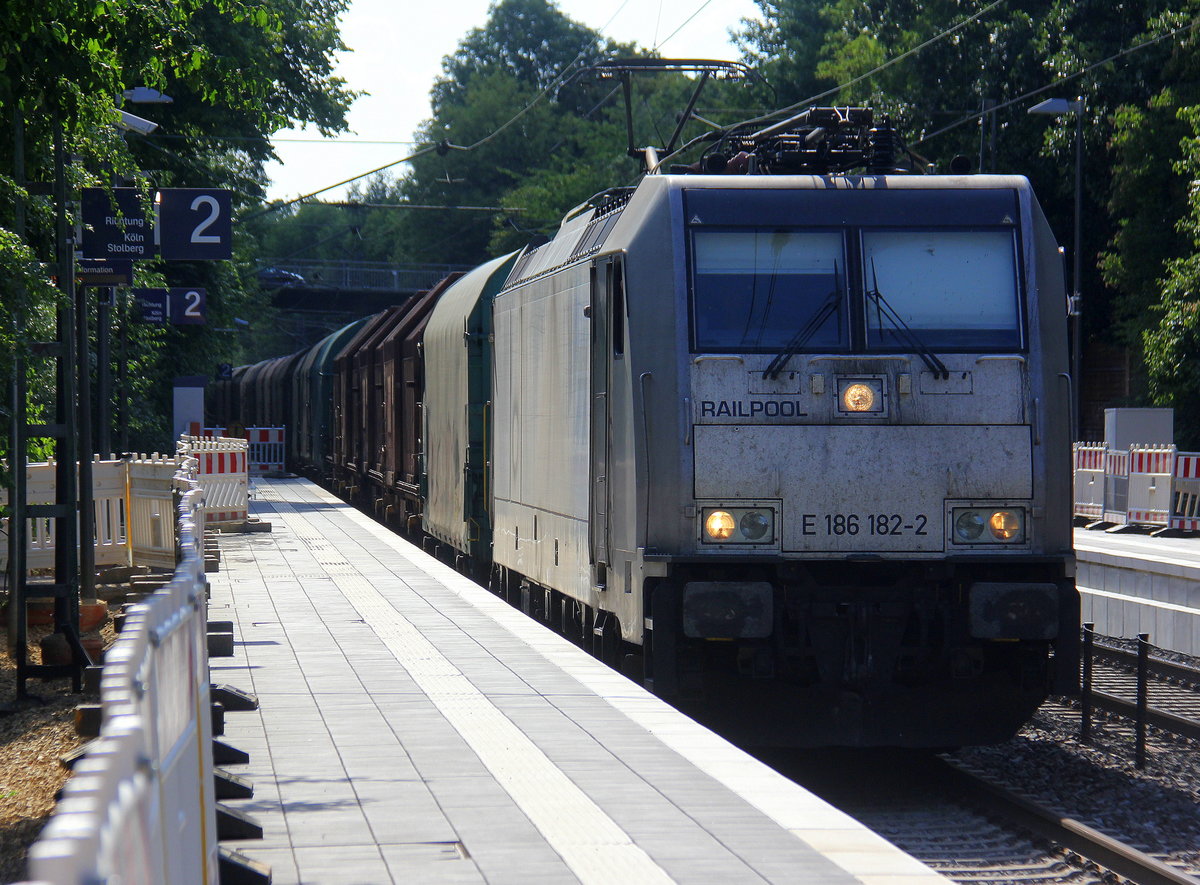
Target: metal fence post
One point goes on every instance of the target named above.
(1143, 660)
(1085, 695)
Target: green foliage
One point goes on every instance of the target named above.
(232, 67)
(1173, 344)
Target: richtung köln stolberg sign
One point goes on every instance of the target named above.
(115, 224)
(193, 224)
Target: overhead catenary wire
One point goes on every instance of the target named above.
(658, 43)
(811, 100)
(444, 145)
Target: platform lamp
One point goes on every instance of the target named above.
(129, 123)
(1056, 107)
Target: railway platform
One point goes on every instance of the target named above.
(412, 727)
(1135, 583)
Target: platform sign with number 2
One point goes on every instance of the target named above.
(195, 224)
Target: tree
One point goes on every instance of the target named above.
(233, 68)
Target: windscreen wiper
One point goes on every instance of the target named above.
(885, 310)
(828, 307)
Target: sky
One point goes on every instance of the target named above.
(397, 56)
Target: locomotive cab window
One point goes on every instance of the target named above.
(948, 289)
(753, 289)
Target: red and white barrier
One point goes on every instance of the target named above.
(1089, 480)
(266, 451)
(222, 475)
(1144, 486)
(1185, 515)
(1151, 469)
(1116, 486)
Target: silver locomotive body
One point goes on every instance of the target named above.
(804, 440)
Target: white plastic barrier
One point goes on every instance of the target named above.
(151, 510)
(1149, 500)
(222, 475)
(109, 490)
(1089, 480)
(140, 807)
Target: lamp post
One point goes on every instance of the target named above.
(1056, 107)
(108, 301)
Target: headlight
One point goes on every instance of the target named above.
(1005, 525)
(861, 397)
(754, 525)
(738, 525)
(968, 526)
(858, 398)
(988, 525)
(718, 525)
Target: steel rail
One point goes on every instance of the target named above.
(1087, 842)
(1160, 667)
(1188, 728)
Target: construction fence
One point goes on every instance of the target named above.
(141, 805)
(133, 503)
(1153, 486)
(265, 445)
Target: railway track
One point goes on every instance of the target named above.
(1173, 690)
(969, 828)
(1082, 846)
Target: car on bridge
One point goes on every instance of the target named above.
(276, 278)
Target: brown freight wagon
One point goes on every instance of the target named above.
(404, 392)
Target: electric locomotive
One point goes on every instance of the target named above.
(792, 443)
(783, 433)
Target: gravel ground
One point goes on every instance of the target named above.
(1157, 809)
(33, 737)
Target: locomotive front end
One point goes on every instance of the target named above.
(875, 407)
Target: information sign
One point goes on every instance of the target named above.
(153, 305)
(195, 224)
(115, 225)
(104, 272)
(179, 306)
(187, 306)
